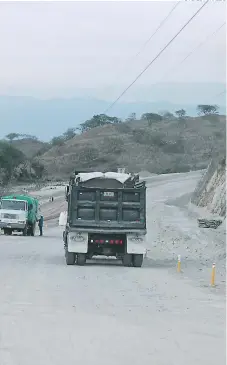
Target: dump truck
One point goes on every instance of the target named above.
(19, 213)
(106, 216)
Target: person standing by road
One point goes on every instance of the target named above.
(40, 224)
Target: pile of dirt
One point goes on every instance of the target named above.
(159, 147)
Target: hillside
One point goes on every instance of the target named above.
(210, 193)
(161, 147)
(46, 118)
(209, 202)
(29, 147)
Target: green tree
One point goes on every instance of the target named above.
(12, 136)
(180, 113)
(69, 134)
(151, 117)
(58, 141)
(38, 168)
(168, 116)
(10, 158)
(207, 109)
(98, 121)
(28, 136)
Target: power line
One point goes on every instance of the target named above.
(158, 55)
(190, 53)
(133, 58)
(202, 43)
(222, 93)
(157, 29)
(211, 98)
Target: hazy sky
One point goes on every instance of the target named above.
(53, 49)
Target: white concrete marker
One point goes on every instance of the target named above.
(63, 218)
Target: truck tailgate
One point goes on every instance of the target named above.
(113, 208)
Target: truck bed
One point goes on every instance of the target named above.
(108, 208)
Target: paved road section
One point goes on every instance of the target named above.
(173, 230)
(100, 314)
(106, 314)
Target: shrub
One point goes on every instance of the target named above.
(176, 147)
(151, 117)
(114, 145)
(123, 128)
(88, 154)
(10, 158)
(144, 137)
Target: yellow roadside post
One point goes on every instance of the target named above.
(213, 272)
(179, 263)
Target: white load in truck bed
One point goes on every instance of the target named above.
(85, 176)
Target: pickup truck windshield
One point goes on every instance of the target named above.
(13, 205)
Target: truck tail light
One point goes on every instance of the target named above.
(111, 241)
(118, 242)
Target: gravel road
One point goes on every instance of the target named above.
(104, 313)
(173, 231)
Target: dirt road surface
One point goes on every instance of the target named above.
(104, 313)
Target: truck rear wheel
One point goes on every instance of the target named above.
(25, 231)
(127, 260)
(32, 230)
(81, 259)
(70, 257)
(8, 231)
(137, 260)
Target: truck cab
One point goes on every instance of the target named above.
(15, 213)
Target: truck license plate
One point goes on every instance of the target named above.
(108, 193)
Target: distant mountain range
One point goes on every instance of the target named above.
(51, 117)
